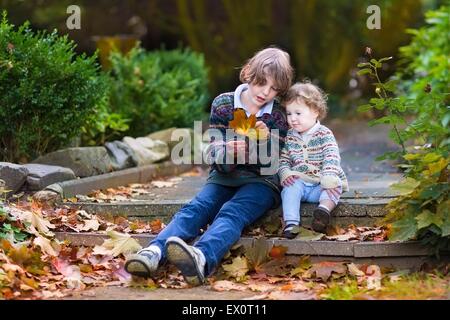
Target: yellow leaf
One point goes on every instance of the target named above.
(238, 268)
(120, 243)
(245, 126)
(45, 246)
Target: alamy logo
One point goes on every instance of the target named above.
(374, 20)
(74, 20)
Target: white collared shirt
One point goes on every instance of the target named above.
(306, 136)
(267, 108)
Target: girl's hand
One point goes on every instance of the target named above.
(236, 147)
(289, 181)
(334, 193)
(262, 128)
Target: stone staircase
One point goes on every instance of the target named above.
(362, 206)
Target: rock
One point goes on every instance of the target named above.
(147, 151)
(85, 162)
(13, 175)
(47, 197)
(182, 136)
(122, 156)
(42, 175)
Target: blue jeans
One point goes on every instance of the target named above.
(291, 197)
(228, 210)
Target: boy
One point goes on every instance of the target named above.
(235, 195)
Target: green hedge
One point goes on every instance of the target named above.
(47, 93)
(158, 89)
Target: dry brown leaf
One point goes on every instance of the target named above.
(46, 246)
(119, 243)
(354, 270)
(225, 285)
(373, 278)
(238, 268)
(278, 252)
(323, 270)
(286, 295)
(89, 225)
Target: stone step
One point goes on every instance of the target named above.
(356, 211)
(399, 254)
(364, 206)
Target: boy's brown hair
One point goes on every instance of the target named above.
(272, 62)
(309, 94)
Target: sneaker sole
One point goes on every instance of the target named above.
(321, 220)
(137, 267)
(179, 256)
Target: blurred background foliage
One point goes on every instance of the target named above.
(326, 39)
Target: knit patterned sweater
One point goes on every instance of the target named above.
(222, 112)
(314, 161)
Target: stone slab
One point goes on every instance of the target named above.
(13, 175)
(41, 175)
(119, 178)
(84, 161)
(295, 247)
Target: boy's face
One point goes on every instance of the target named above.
(260, 94)
(300, 116)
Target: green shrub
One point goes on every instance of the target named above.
(47, 93)
(159, 89)
(416, 104)
(103, 125)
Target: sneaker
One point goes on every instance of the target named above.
(188, 259)
(142, 264)
(290, 231)
(321, 219)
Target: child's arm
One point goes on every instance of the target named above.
(284, 169)
(216, 154)
(331, 163)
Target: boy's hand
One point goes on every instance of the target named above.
(289, 181)
(262, 129)
(236, 147)
(334, 193)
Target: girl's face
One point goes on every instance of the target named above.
(260, 94)
(300, 116)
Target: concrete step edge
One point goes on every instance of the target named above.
(351, 249)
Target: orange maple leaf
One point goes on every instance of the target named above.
(278, 252)
(245, 126)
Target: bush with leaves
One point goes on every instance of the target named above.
(103, 125)
(416, 105)
(47, 93)
(158, 89)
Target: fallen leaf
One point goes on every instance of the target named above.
(238, 268)
(261, 287)
(283, 295)
(308, 235)
(354, 270)
(294, 287)
(45, 245)
(373, 273)
(92, 224)
(226, 285)
(120, 243)
(277, 267)
(278, 252)
(257, 253)
(323, 270)
(343, 237)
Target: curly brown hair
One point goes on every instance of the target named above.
(309, 94)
